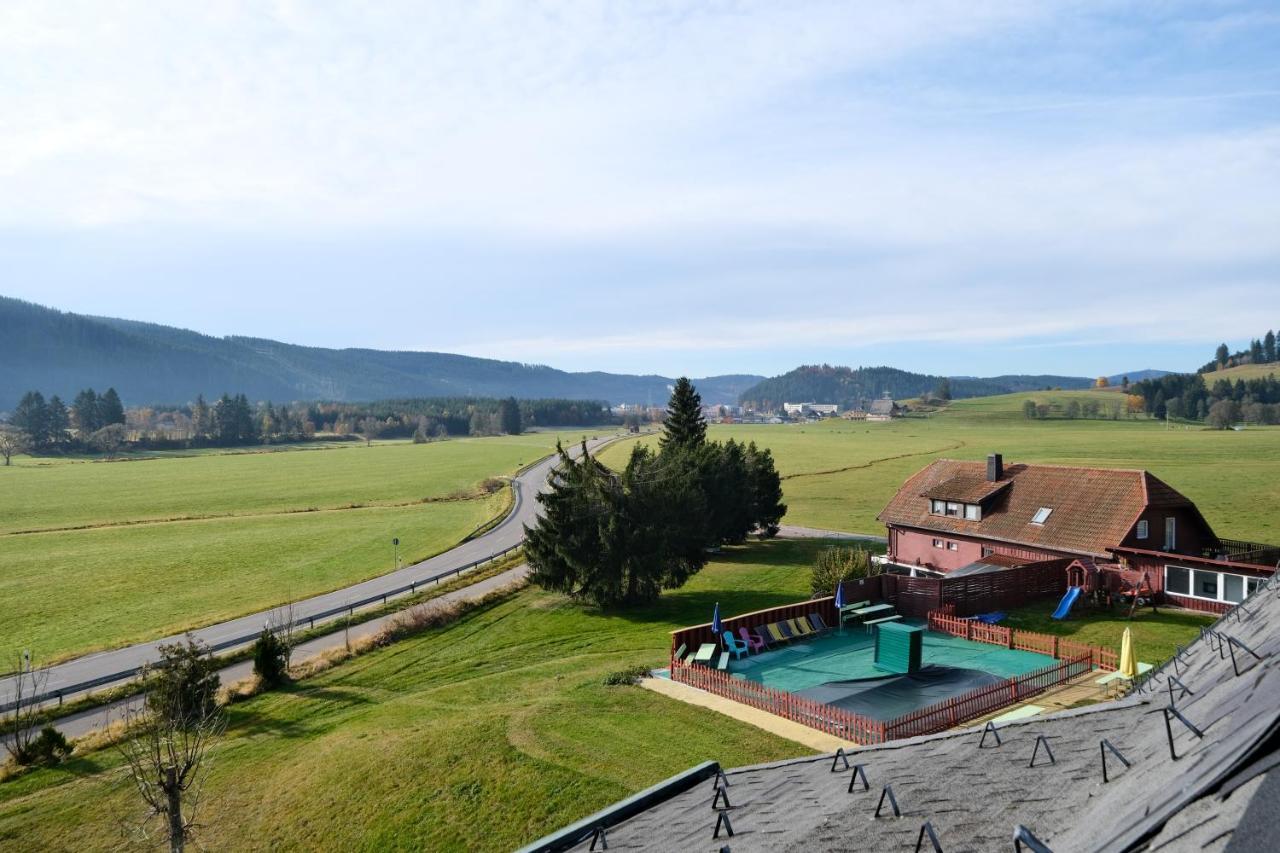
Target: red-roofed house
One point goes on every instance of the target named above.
(955, 515)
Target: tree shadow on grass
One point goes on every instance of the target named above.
(326, 709)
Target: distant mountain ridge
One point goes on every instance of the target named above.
(58, 352)
(846, 386)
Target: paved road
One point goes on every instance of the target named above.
(790, 531)
(84, 722)
(121, 664)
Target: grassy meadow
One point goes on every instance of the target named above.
(840, 474)
(100, 554)
(479, 736)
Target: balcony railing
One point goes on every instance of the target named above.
(1239, 551)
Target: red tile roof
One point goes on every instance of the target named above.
(1092, 508)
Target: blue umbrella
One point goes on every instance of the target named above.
(715, 621)
(839, 595)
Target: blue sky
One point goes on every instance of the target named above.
(957, 187)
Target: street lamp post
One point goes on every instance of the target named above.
(396, 544)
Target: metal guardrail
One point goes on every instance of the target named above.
(347, 607)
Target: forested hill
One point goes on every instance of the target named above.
(61, 353)
(844, 386)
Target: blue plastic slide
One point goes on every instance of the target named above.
(1064, 606)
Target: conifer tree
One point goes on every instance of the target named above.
(110, 409)
(509, 416)
(1269, 348)
(685, 426)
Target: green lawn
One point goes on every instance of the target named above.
(481, 736)
(840, 474)
(125, 551)
(1155, 635)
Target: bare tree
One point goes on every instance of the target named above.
(12, 442)
(20, 726)
(370, 428)
(108, 440)
(168, 761)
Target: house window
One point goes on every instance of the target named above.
(1042, 515)
(1143, 529)
(987, 552)
(1204, 584)
(972, 512)
(1170, 533)
(1209, 585)
(953, 546)
(953, 509)
(1232, 588)
(1177, 580)
(938, 543)
(938, 507)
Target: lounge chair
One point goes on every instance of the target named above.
(734, 646)
(816, 621)
(723, 663)
(799, 627)
(779, 632)
(678, 657)
(755, 642)
(762, 631)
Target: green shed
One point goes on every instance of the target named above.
(898, 647)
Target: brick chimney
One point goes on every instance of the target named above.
(995, 467)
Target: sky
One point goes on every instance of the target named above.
(960, 188)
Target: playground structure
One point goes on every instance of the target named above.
(1106, 584)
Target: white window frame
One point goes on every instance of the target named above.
(1144, 529)
(938, 543)
(1170, 533)
(953, 546)
(1042, 515)
(973, 512)
(955, 509)
(1220, 598)
(937, 507)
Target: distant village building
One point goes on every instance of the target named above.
(799, 410)
(884, 409)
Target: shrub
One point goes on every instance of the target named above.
(840, 564)
(270, 658)
(630, 675)
(49, 748)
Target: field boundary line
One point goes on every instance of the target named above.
(956, 446)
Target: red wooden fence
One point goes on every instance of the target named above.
(827, 718)
(985, 700)
(1057, 648)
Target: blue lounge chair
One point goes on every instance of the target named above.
(734, 645)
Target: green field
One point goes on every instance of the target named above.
(1244, 371)
(840, 474)
(481, 736)
(117, 552)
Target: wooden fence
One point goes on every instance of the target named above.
(1057, 648)
(985, 700)
(865, 589)
(827, 718)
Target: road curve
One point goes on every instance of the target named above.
(110, 667)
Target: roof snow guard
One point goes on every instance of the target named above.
(1185, 761)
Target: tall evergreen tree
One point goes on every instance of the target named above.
(201, 423)
(85, 410)
(1255, 351)
(32, 417)
(58, 421)
(767, 508)
(1222, 355)
(1269, 348)
(685, 426)
(509, 416)
(110, 409)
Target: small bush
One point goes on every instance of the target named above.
(184, 684)
(840, 564)
(630, 675)
(50, 747)
(270, 658)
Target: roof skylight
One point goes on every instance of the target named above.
(1042, 515)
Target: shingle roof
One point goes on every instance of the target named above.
(882, 407)
(1093, 508)
(967, 487)
(976, 797)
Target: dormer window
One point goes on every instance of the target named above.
(1144, 529)
(972, 512)
(954, 509)
(1042, 515)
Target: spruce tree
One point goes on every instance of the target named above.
(685, 426)
(509, 416)
(1269, 347)
(110, 409)
(85, 409)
